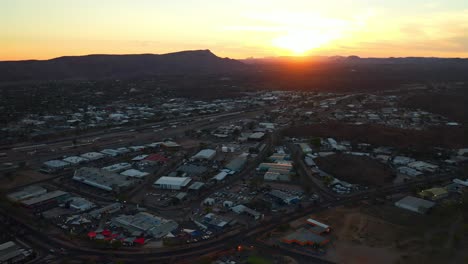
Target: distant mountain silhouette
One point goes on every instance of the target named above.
(194, 62)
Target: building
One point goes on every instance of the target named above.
(145, 223)
(192, 170)
(170, 145)
(401, 160)
(108, 209)
(10, 252)
(318, 227)
(26, 193)
(423, 166)
(172, 183)
(242, 209)
(434, 194)
(54, 166)
(414, 204)
(305, 237)
(211, 220)
(220, 176)
(102, 179)
(80, 204)
(306, 149)
(238, 163)
(110, 152)
(119, 167)
(283, 197)
(93, 156)
(276, 176)
(75, 160)
(196, 186)
(134, 173)
(409, 171)
(205, 154)
(257, 136)
(46, 200)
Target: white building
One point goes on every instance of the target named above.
(414, 204)
(93, 155)
(172, 183)
(75, 160)
(206, 154)
(134, 173)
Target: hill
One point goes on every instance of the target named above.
(196, 62)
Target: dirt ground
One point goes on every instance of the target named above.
(356, 169)
(386, 234)
(21, 178)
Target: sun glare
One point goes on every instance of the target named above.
(301, 42)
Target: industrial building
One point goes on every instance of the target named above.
(26, 193)
(93, 155)
(102, 179)
(172, 183)
(409, 171)
(318, 227)
(145, 223)
(238, 163)
(414, 204)
(75, 160)
(434, 194)
(119, 167)
(54, 166)
(220, 176)
(283, 197)
(257, 136)
(205, 154)
(46, 200)
(134, 173)
(80, 204)
(10, 252)
(192, 170)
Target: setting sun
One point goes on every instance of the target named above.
(301, 42)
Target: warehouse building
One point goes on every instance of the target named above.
(134, 173)
(75, 160)
(146, 224)
(414, 204)
(205, 154)
(172, 183)
(434, 194)
(10, 252)
(318, 227)
(80, 204)
(46, 200)
(102, 179)
(26, 193)
(283, 197)
(93, 155)
(119, 167)
(52, 166)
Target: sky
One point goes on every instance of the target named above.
(44, 29)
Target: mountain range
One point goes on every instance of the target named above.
(204, 62)
(193, 62)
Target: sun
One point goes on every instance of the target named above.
(302, 41)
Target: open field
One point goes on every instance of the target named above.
(423, 140)
(356, 169)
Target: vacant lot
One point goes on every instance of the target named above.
(422, 140)
(356, 169)
(452, 103)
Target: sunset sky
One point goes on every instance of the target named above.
(43, 29)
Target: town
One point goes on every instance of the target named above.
(267, 173)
